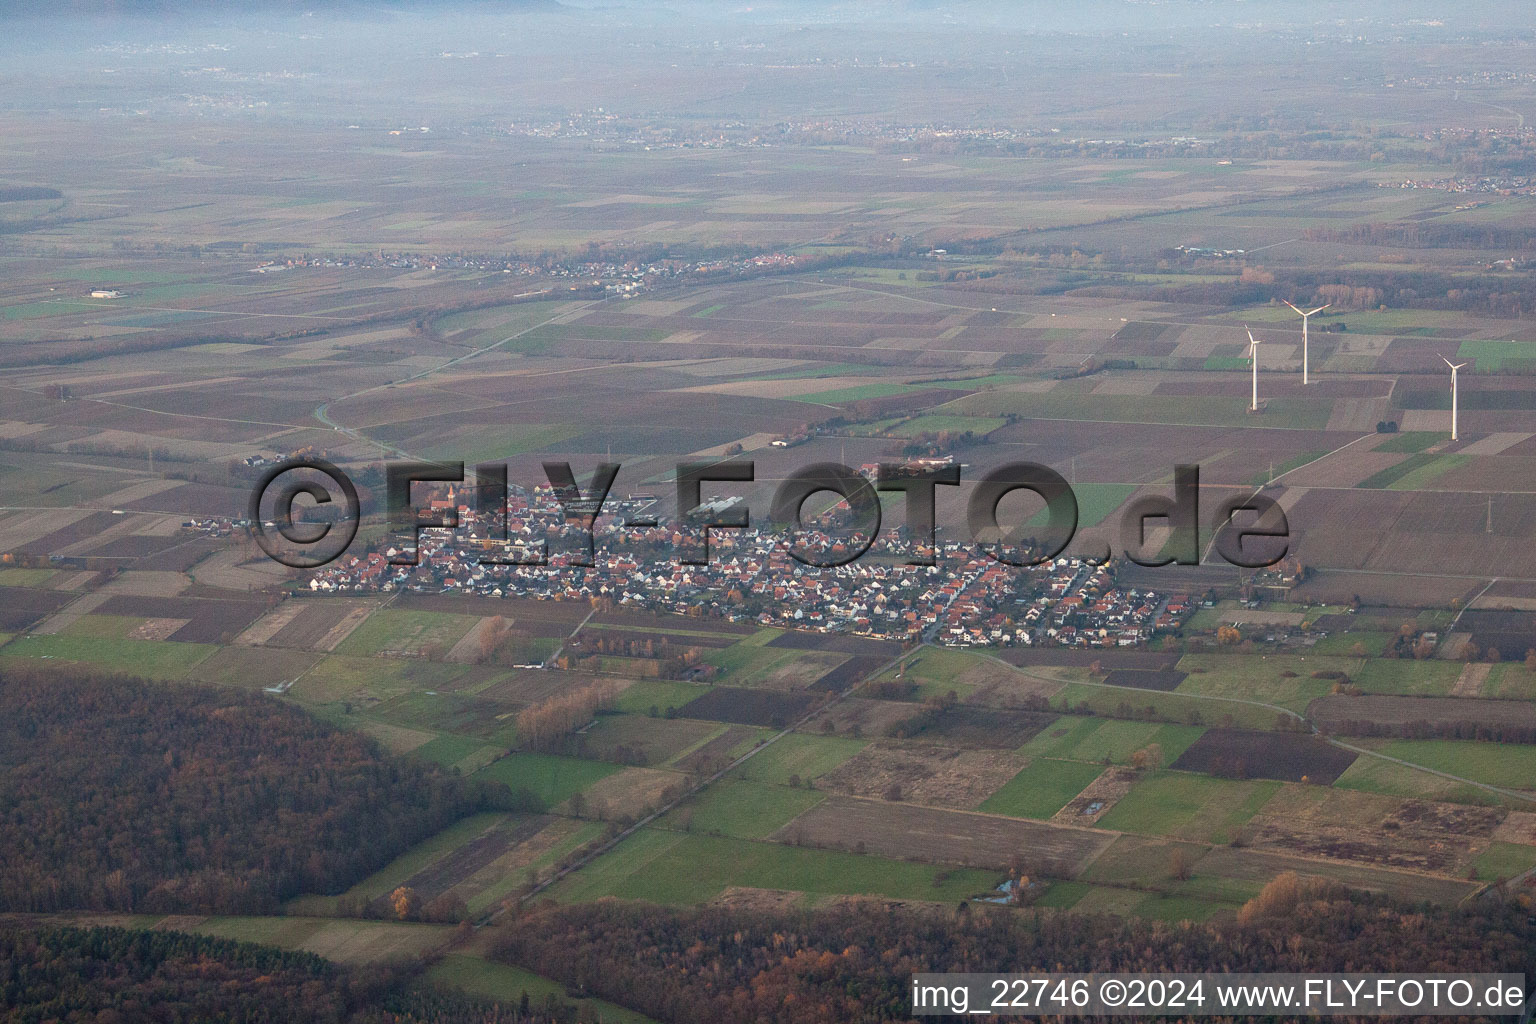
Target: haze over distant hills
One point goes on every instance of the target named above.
(1174, 20)
(114, 8)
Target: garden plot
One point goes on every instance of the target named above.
(935, 835)
(922, 774)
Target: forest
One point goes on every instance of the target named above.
(112, 975)
(853, 964)
(123, 795)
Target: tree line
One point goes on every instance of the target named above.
(546, 725)
(1424, 729)
(855, 963)
(113, 976)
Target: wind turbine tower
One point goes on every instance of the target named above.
(1454, 367)
(1253, 353)
(1304, 317)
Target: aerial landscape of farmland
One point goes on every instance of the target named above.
(1283, 663)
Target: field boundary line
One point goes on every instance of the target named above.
(321, 412)
(1512, 793)
(660, 812)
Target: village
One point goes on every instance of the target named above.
(966, 599)
(615, 275)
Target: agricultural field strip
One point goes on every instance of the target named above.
(192, 416)
(162, 412)
(700, 786)
(579, 627)
(1516, 794)
(321, 414)
(1513, 793)
(896, 293)
(1205, 556)
(85, 508)
(216, 312)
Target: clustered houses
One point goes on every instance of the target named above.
(966, 600)
(218, 526)
(1093, 612)
(1501, 185)
(617, 275)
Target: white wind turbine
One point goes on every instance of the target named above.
(1304, 317)
(1454, 367)
(1253, 353)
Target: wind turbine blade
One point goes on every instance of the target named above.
(1447, 362)
(1293, 306)
(1319, 309)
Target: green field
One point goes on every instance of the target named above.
(407, 633)
(1061, 737)
(656, 740)
(1408, 678)
(855, 394)
(1374, 775)
(1063, 895)
(448, 712)
(1094, 503)
(1108, 899)
(1510, 681)
(1411, 442)
(506, 983)
(493, 893)
(10, 576)
(640, 697)
(1177, 908)
(1509, 765)
(799, 754)
(111, 627)
(1366, 321)
(1139, 862)
(1041, 789)
(1491, 356)
(346, 940)
(1372, 642)
(1097, 740)
(940, 664)
(935, 424)
(991, 380)
(815, 370)
(1113, 700)
(1185, 806)
(254, 667)
(489, 443)
(1285, 466)
(663, 867)
(1504, 860)
(742, 810)
(1414, 472)
(1420, 477)
(549, 777)
(152, 659)
(1199, 410)
(748, 655)
(449, 750)
(1250, 678)
(424, 854)
(339, 677)
(599, 332)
